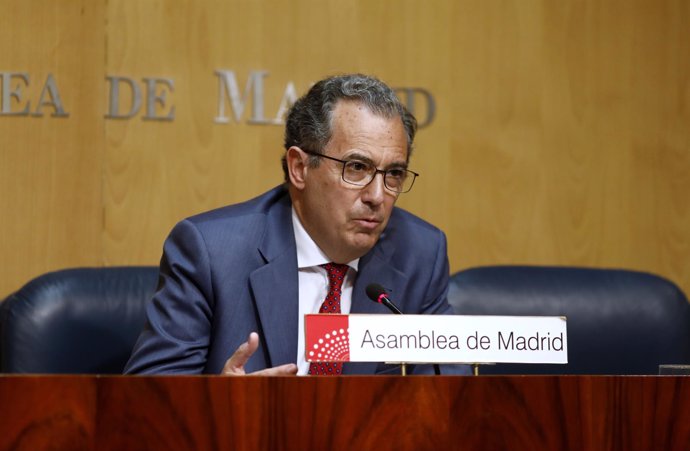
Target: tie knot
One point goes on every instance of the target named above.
(336, 271)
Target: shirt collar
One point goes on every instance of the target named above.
(308, 252)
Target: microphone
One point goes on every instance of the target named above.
(378, 294)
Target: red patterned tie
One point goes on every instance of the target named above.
(336, 275)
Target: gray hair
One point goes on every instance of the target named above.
(308, 124)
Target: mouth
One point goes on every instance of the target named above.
(368, 224)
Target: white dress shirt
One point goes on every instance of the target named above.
(313, 284)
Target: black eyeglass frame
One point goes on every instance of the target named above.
(376, 171)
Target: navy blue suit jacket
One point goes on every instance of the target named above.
(231, 271)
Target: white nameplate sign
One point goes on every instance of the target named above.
(436, 339)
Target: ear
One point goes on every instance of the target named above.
(297, 166)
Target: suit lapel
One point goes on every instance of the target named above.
(375, 267)
(275, 287)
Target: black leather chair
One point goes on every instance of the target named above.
(619, 322)
(83, 320)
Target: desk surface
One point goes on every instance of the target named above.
(486, 413)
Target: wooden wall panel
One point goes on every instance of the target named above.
(50, 167)
(561, 133)
(158, 173)
(572, 145)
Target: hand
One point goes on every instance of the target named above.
(235, 364)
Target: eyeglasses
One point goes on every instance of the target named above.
(361, 173)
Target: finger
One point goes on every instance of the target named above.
(235, 364)
(289, 369)
(252, 344)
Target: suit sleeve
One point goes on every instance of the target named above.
(176, 335)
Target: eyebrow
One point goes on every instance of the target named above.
(365, 159)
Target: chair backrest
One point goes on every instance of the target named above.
(618, 321)
(83, 320)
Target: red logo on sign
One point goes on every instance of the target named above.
(327, 338)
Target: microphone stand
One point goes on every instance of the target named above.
(383, 299)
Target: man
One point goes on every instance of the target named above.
(235, 282)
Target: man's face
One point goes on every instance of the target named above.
(345, 220)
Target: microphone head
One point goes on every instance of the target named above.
(374, 291)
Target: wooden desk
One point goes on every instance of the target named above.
(486, 413)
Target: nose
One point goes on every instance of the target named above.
(373, 194)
